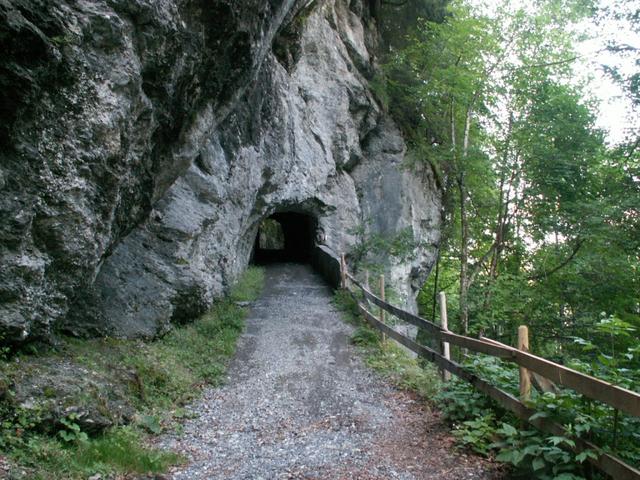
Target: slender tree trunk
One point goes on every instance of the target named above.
(503, 206)
(493, 268)
(464, 227)
(464, 256)
(452, 114)
(435, 287)
(467, 133)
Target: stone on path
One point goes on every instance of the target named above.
(300, 403)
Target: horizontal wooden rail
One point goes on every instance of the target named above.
(401, 314)
(605, 462)
(620, 398)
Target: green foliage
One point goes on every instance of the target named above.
(537, 455)
(542, 218)
(4, 350)
(378, 85)
(249, 287)
(61, 41)
(397, 19)
(479, 433)
(344, 302)
(72, 433)
(483, 426)
(271, 235)
(120, 450)
(487, 429)
(618, 20)
(123, 449)
(151, 423)
(460, 402)
(372, 246)
(161, 376)
(397, 365)
(387, 358)
(365, 337)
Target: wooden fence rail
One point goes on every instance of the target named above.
(620, 398)
(617, 397)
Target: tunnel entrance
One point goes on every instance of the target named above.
(285, 237)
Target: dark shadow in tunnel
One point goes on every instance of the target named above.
(285, 237)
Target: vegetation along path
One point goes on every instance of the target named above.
(300, 403)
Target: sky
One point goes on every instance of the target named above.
(615, 113)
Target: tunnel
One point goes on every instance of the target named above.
(285, 237)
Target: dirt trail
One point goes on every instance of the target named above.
(299, 403)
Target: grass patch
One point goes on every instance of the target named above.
(148, 380)
(388, 358)
(249, 287)
(118, 451)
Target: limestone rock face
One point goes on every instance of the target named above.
(143, 142)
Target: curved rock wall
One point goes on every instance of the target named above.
(148, 139)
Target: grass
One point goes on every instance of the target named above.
(388, 358)
(120, 450)
(151, 379)
(249, 287)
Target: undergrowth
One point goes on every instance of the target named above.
(386, 357)
(157, 378)
(483, 426)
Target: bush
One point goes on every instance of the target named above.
(485, 427)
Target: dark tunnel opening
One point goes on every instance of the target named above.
(285, 237)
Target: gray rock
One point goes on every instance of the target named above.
(145, 141)
(54, 390)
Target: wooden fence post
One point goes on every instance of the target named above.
(525, 375)
(343, 271)
(384, 336)
(366, 279)
(444, 323)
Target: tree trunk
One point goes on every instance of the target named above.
(464, 225)
(435, 287)
(464, 256)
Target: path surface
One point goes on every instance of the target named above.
(299, 403)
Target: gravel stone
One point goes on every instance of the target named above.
(300, 403)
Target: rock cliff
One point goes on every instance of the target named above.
(144, 141)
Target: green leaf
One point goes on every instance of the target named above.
(508, 430)
(538, 415)
(567, 476)
(506, 456)
(538, 463)
(582, 456)
(556, 440)
(151, 423)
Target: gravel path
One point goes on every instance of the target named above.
(299, 403)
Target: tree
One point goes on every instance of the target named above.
(471, 89)
(489, 101)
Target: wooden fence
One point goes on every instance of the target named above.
(619, 398)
